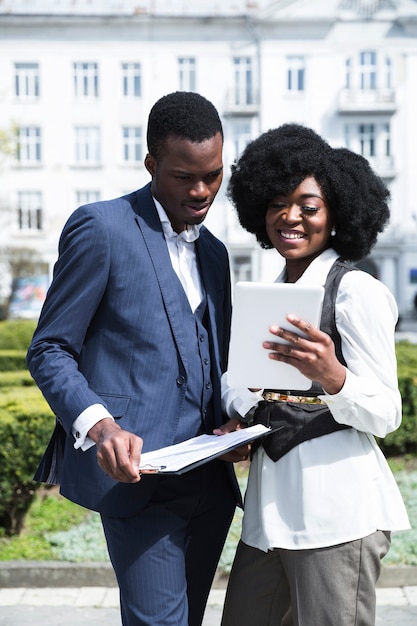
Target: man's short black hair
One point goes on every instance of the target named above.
(182, 114)
(280, 159)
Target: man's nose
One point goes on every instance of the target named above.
(200, 189)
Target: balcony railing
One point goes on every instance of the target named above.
(383, 166)
(242, 102)
(367, 100)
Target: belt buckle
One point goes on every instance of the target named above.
(275, 396)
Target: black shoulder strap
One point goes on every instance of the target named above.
(328, 315)
(296, 422)
(328, 318)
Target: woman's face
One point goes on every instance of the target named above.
(299, 226)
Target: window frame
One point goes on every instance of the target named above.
(26, 80)
(243, 81)
(29, 145)
(86, 80)
(132, 144)
(131, 80)
(295, 73)
(87, 145)
(187, 73)
(30, 211)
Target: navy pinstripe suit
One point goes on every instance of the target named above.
(111, 332)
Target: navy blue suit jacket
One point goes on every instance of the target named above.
(110, 332)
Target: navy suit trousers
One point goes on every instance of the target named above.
(165, 557)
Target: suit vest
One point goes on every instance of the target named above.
(197, 410)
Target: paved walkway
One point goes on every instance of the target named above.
(99, 606)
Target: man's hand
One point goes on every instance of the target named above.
(118, 451)
(238, 454)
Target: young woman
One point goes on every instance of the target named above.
(321, 500)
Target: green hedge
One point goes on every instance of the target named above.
(16, 334)
(26, 423)
(404, 439)
(15, 337)
(12, 360)
(19, 378)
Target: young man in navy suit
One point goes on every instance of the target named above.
(129, 351)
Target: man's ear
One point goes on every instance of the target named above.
(150, 164)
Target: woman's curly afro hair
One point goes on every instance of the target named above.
(280, 159)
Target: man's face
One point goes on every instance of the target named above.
(186, 178)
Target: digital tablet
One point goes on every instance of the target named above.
(257, 306)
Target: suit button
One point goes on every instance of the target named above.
(180, 380)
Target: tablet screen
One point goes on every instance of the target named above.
(257, 306)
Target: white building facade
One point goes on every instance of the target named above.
(78, 78)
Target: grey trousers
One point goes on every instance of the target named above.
(332, 586)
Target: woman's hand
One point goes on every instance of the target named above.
(314, 356)
(238, 454)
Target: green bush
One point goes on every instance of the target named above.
(16, 334)
(49, 513)
(15, 337)
(404, 439)
(12, 360)
(26, 423)
(19, 378)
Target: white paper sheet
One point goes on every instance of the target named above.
(188, 454)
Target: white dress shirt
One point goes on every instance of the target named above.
(183, 257)
(182, 252)
(337, 487)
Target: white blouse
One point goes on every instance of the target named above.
(337, 487)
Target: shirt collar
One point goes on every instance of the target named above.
(316, 272)
(189, 235)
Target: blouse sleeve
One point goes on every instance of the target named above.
(238, 401)
(366, 315)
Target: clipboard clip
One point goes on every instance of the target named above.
(147, 468)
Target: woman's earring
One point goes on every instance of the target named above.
(333, 232)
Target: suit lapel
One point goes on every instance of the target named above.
(209, 277)
(150, 226)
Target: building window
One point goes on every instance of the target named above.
(86, 80)
(186, 70)
(241, 136)
(29, 211)
(367, 70)
(26, 81)
(243, 81)
(386, 140)
(87, 145)
(241, 267)
(372, 141)
(366, 136)
(132, 144)
(348, 73)
(85, 197)
(387, 74)
(29, 145)
(295, 73)
(131, 77)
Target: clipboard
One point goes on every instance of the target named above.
(187, 455)
(257, 306)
